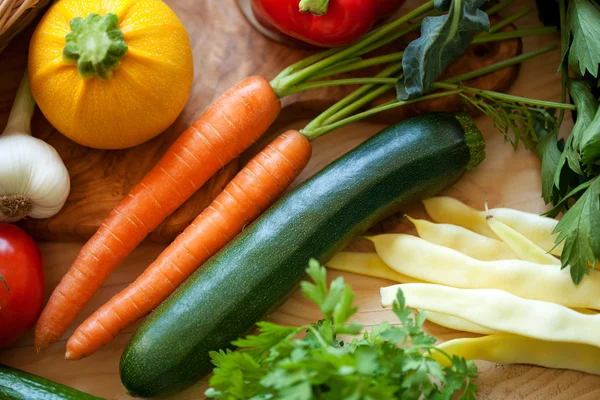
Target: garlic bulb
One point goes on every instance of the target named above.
(34, 181)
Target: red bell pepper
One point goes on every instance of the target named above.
(327, 23)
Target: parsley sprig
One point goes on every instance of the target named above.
(390, 362)
(570, 172)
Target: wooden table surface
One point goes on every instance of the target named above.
(506, 178)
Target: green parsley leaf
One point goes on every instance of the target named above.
(550, 155)
(583, 20)
(578, 229)
(388, 363)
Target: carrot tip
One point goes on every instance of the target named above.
(40, 346)
(69, 355)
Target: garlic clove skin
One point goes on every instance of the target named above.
(34, 181)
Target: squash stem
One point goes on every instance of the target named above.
(19, 120)
(96, 45)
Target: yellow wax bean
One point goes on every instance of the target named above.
(505, 348)
(368, 264)
(460, 239)
(536, 228)
(459, 324)
(428, 262)
(500, 311)
(523, 247)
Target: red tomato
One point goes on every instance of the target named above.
(21, 283)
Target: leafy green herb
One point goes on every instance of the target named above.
(550, 155)
(583, 20)
(390, 362)
(443, 39)
(518, 118)
(589, 144)
(578, 229)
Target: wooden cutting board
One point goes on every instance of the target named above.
(226, 49)
(506, 178)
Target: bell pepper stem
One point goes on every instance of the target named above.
(315, 7)
(19, 120)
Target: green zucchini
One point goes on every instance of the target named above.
(19, 385)
(400, 165)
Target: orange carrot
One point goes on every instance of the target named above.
(250, 193)
(237, 119)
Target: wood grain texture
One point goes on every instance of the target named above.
(100, 179)
(506, 178)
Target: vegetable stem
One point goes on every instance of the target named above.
(502, 64)
(360, 64)
(520, 33)
(338, 82)
(505, 97)
(358, 94)
(564, 44)
(305, 62)
(315, 133)
(498, 7)
(315, 7)
(281, 84)
(507, 21)
(96, 45)
(19, 120)
(364, 100)
(333, 117)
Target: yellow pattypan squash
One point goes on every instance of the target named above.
(110, 74)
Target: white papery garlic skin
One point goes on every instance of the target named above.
(34, 181)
